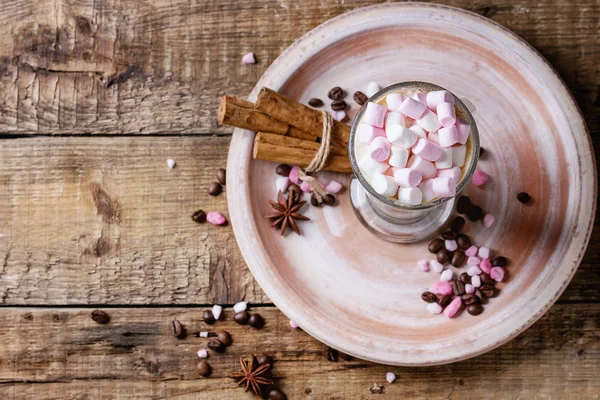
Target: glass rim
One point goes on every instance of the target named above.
(397, 203)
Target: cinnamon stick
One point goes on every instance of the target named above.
(298, 115)
(285, 149)
(242, 114)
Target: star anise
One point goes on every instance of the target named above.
(252, 375)
(286, 212)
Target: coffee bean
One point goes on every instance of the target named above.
(429, 297)
(463, 242)
(215, 189)
(224, 337)
(443, 256)
(208, 317)
(458, 287)
(524, 197)
(176, 328)
(457, 224)
(216, 345)
(100, 317)
(256, 321)
(469, 299)
(329, 200)
(276, 394)
(265, 359)
(296, 189)
(199, 217)
(283, 170)
(345, 357)
(332, 355)
(481, 151)
(336, 93)
(475, 309)
(488, 291)
(500, 262)
(458, 258)
(486, 279)
(465, 278)
(314, 201)
(435, 245)
(314, 102)
(462, 205)
(241, 317)
(444, 300)
(360, 98)
(204, 369)
(474, 213)
(449, 235)
(338, 105)
(222, 176)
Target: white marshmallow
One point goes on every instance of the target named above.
(384, 185)
(427, 168)
(407, 177)
(394, 118)
(239, 307)
(436, 266)
(282, 183)
(445, 160)
(454, 173)
(216, 310)
(429, 121)
(434, 308)
(400, 136)
(421, 97)
(171, 163)
(484, 252)
(446, 276)
(418, 131)
(394, 100)
(398, 157)
(476, 281)
(410, 195)
(458, 155)
(372, 167)
(427, 190)
(372, 88)
(434, 137)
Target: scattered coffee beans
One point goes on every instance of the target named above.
(463, 242)
(500, 262)
(222, 176)
(215, 189)
(204, 369)
(488, 291)
(283, 170)
(435, 245)
(332, 355)
(475, 309)
(338, 105)
(276, 394)
(457, 224)
(463, 204)
(199, 217)
(360, 98)
(444, 300)
(524, 197)
(429, 297)
(265, 359)
(314, 201)
(458, 258)
(241, 317)
(474, 213)
(481, 151)
(469, 299)
(176, 328)
(256, 321)
(465, 278)
(314, 102)
(100, 317)
(486, 279)
(458, 288)
(296, 190)
(208, 317)
(449, 235)
(443, 256)
(224, 337)
(328, 200)
(336, 93)
(216, 345)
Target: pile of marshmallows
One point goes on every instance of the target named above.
(415, 146)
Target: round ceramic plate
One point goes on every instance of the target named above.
(360, 294)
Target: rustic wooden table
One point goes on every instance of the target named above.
(95, 95)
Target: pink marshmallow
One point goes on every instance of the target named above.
(448, 136)
(446, 114)
(407, 177)
(412, 108)
(380, 149)
(421, 97)
(472, 251)
(497, 274)
(469, 289)
(434, 137)
(423, 265)
(437, 97)
(427, 150)
(442, 288)
(463, 130)
(488, 220)
(473, 260)
(366, 133)
(486, 265)
(454, 173)
(394, 101)
(215, 218)
(426, 188)
(333, 187)
(479, 178)
(249, 58)
(452, 309)
(305, 186)
(444, 187)
(375, 114)
(426, 168)
(294, 175)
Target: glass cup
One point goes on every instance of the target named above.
(389, 218)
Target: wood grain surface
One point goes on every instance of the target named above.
(122, 68)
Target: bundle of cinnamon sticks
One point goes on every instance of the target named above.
(286, 131)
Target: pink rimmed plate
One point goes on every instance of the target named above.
(360, 294)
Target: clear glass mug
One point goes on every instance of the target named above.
(390, 219)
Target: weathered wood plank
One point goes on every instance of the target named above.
(67, 355)
(143, 67)
(104, 220)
